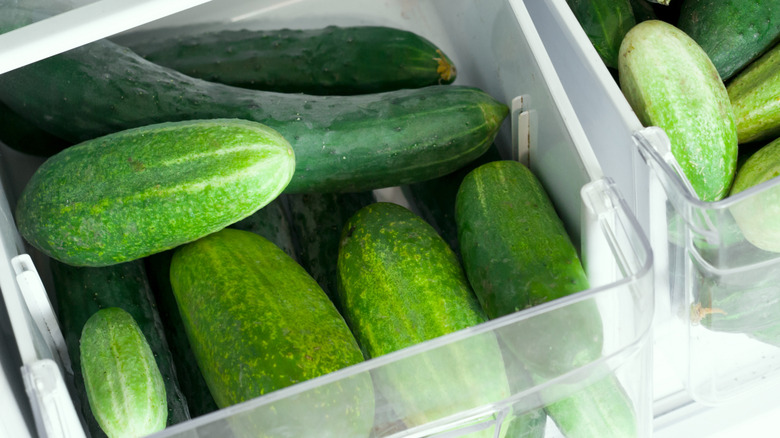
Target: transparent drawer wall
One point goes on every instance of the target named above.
(495, 47)
(702, 262)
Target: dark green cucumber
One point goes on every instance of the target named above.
(125, 388)
(343, 60)
(191, 382)
(317, 220)
(257, 322)
(434, 200)
(757, 215)
(20, 134)
(341, 143)
(127, 195)
(755, 97)
(643, 10)
(274, 223)
(517, 254)
(605, 22)
(670, 82)
(82, 291)
(400, 284)
(732, 32)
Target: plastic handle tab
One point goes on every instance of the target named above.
(53, 409)
(40, 308)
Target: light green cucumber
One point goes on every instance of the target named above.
(671, 83)
(125, 388)
(137, 192)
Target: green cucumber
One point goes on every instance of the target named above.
(83, 291)
(755, 96)
(605, 22)
(343, 60)
(643, 10)
(517, 255)
(274, 223)
(20, 134)
(257, 322)
(127, 195)
(317, 220)
(341, 143)
(670, 82)
(732, 32)
(434, 200)
(757, 215)
(400, 284)
(124, 386)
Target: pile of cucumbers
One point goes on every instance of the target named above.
(708, 73)
(207, 206)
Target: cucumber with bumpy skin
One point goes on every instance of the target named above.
(342, 60)
(124, 386)
(127, 195)
(83, 291)
(671, 83)
(517, 254)
(257, 322)
(341, 143)
(400, 284)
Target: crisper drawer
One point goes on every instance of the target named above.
(712, 285)
(495, 47)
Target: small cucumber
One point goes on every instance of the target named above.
(344, 60)
(755, 96)
(671, 83)
(124, 386)
(732, 32)
(83, 291)
(757, 215)
(400, 284)
(605, 22)
(137, 192)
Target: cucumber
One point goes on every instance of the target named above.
(399, 285)
(137, 192)
(83, 291)
(20, 134)
(757, 215)
(643, 10)
(341, 143)
(732, 32)
(434, 200)
(517, 255)
(317, 220)
(670, 82)
(605, 22)
(274, 223)
(124, 386)
(342, 60)
(257, 322)
(755, 96)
